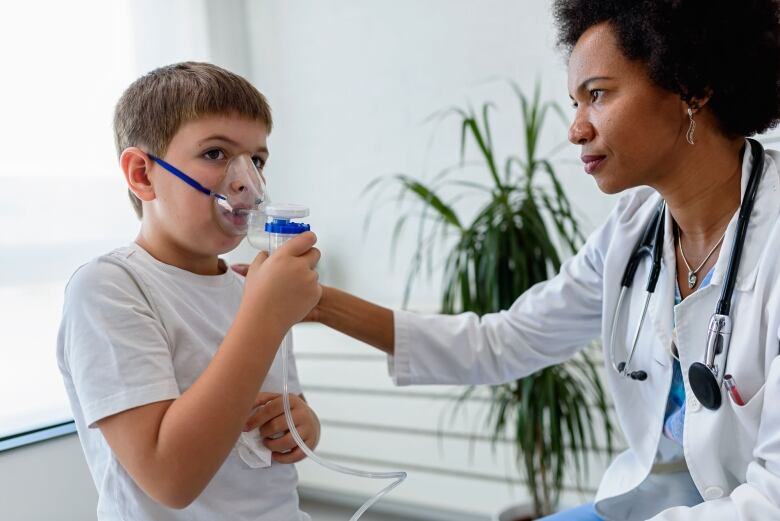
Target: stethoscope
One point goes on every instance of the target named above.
(705, 378)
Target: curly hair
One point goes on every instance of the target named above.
(726, 49)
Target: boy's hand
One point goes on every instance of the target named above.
(241, 268)
(285, 285)
(273, 426)
(313, 315)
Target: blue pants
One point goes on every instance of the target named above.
(580, 513)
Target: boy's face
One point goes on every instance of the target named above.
(182, 218)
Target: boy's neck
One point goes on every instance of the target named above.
(167, 252)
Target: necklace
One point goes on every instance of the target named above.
(691, 272)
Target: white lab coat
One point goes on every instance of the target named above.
(733, 454)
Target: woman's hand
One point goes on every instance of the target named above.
(269, 418)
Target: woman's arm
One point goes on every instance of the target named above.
(356, 317)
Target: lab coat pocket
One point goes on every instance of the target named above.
(746, 420)
(749, 414)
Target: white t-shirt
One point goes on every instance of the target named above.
(136, 331)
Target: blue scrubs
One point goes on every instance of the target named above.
(581, 513)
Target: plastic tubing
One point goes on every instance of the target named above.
(397, 477)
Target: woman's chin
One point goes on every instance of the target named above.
(611, 184)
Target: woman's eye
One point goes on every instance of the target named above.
(214, 154)
(259, 162)
(595, 94)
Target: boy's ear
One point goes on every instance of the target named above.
(136, 165)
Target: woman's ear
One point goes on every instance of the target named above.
(136, 165)
(697, 103)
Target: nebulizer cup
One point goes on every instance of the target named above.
(272, 225)
(278, 228)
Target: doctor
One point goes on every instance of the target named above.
(664, 94)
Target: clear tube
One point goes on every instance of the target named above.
(276, 240)
(397, 476)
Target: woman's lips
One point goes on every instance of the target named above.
(592, 162)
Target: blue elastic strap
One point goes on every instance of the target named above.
(184, 177)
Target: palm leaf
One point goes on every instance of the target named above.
(517, 238)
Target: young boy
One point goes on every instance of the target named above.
(163, 349)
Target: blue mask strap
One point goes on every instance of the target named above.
(184, 177)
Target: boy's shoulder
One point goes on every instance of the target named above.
(129, 273)
(104, 270)
(120, 277)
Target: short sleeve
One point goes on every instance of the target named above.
(113, 343)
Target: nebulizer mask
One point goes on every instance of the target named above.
(242, 207)
(239, 196)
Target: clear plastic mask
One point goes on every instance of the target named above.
(239, 196)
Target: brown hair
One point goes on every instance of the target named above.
(156, 105)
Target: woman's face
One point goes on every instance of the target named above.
(632, 132)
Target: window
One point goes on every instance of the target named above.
(63, 198)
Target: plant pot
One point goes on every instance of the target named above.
(521, 512)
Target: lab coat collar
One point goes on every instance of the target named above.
(762, 219)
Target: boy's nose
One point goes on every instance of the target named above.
(238, 186)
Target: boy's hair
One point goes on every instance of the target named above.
(156, 105)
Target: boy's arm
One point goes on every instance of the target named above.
(356, 317)
(173, 448)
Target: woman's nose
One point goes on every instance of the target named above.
(581, 131)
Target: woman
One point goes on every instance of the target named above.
(665, 93)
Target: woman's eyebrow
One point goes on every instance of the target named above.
(584, 85)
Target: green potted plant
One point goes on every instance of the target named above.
(517, 238)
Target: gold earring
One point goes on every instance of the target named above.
(691, 127)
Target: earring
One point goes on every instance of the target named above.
(691, 127)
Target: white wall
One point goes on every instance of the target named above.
(351, 83)
(45, 482)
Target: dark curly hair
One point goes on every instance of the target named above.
(728, 49)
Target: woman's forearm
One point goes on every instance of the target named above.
(357, 318)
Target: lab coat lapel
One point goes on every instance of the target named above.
(762, 219)
(661, 307)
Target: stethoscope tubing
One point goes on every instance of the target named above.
(655, 229)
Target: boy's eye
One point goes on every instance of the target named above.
(595, 94)
(259, 162)
(214, 154)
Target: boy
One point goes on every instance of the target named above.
(162, 348)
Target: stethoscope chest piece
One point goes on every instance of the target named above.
(704, 385)
(706, 378)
